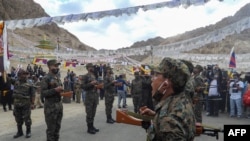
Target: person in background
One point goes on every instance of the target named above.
(121, 91)
(24, 97)
(109, 87)
(236, 87)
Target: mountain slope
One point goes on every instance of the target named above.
(25, 9)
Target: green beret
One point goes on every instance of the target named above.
(53, 62)
(175, 70)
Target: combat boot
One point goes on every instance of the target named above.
(28, 132)
(19, 132)
(112, 119)
(96, 130)
(109, 119)
(91, 130)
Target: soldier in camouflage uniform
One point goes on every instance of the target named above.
(90, 86)
(173, 116)
(199, 87)
(136, 91)
(189, 88)
(51, 87)
(78, 90)
(109, 87)
(24, 96)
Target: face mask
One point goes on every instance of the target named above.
(55, 71)
(158, 95)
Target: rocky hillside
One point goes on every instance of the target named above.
(25, 9)
(240, 41)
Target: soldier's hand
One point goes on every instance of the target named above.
(59, 89)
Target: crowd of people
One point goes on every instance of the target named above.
(175, 92)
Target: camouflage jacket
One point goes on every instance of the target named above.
(174, 120)
(199, 85)
(48, 85)
(136, 87)
(23, 93)
(108, 85)
(189, 89)
(86, 79)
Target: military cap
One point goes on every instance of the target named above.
(89, 65)
(22, 71)
(199, 67)
(175, 70)
(53, 62)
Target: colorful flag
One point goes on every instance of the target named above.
(4, 60)
(69, 64)
(40, 61)
(232, 62)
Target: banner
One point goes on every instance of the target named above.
(40, 61)
(69, 64)
(4, 52)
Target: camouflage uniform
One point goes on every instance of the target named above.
(136, 92)
(78, 91)
(174, 119)
(91, 99)
(198, 95)
(109, 88)
(24, 96)
(53, 108)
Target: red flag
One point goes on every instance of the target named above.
(40, 61)
(232, 62)
(69, 64)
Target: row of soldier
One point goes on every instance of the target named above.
(171, 89)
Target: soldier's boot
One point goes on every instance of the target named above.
(91, 130)
(109, 119)
(112, 119)
(28, 132)
(19, 132)
(96, 130)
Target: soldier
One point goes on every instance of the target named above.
(78, 90)
(24, 97)
(173, 116)
(189, 88)
(199, 87)
(136, 91)
(109, 87)
(90, 86)
(51, 87)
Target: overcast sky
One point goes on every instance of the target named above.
(117, 32)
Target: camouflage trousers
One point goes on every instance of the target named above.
(136, 103)
(22, 114)
(78, 95)
(198, 111)
(53, 116)
(91, 102)
(109, 100)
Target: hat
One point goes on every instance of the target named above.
(199, 67)
(53, 62)
(89, 65)
(175, 70)
(22, 71)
